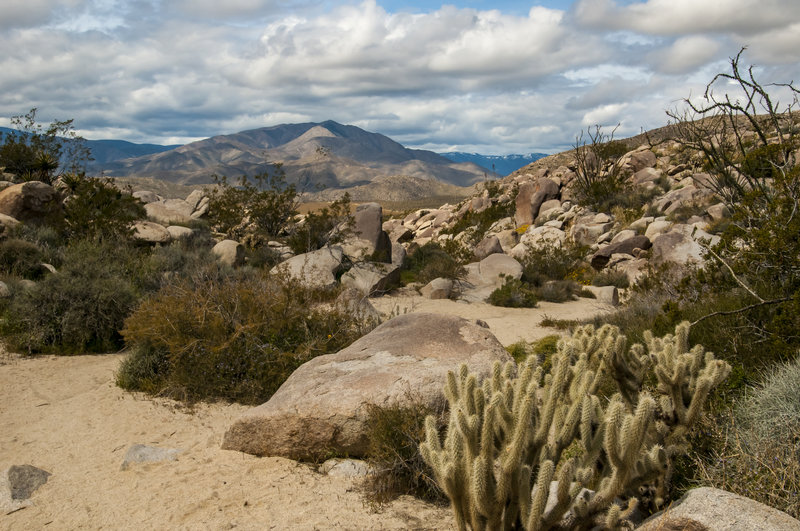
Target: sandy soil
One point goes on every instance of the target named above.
(66, 416)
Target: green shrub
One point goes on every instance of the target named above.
(558, 291)
(236, 337)
(431, 261)
(95, 208)
(607, 277)
(394, 434)
(552, 262)
(479, 222)
(19, 258)
(81, 308)
(513, 293)
(330, 225)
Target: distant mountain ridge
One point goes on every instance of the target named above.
(105, 151)
(326, 154)
(501, 165)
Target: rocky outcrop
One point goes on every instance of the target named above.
(372, 278)
(149, 232)
(323, 406)
(601, 258)
(28, 201)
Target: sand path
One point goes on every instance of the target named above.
(65, 415)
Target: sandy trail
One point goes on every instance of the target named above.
(66, 416)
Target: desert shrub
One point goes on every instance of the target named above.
(261, 257)
(513, 293)
(20, 258)
(552, 262)
(394, 433)
(429, 262)
(330, 225)
(558, 290)
(262, 204)
(753, 448)
(95, 208)
(600, 180)
(81, 308)
(477, 223)
(611, 278)
(235, 337)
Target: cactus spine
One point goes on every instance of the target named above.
(510, 436)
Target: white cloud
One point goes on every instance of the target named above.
(151, 70)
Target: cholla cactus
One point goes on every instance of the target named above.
(513, 434)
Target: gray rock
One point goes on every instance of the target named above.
(368, 225)
(7, 222)
(530, 198)
(718, 211)
(489, 245)
(438, 288)
(657, 227)
(399, 254)
(177, 232)
(194, 198)
(642, 159)
(5, 292)
(711, 509)
(150, 232)
(29, 201)
(605, 294)
(229, 252)
(315, 269)
(23, 480)
(355, 303)
(169, 211)
(601, 258)
(372, 278)
(323, 406)
(140, 453)
(146, 196)
(496, 266)
(680, 245)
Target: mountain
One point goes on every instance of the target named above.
(105, 151)
(501, 165)
(326, 154)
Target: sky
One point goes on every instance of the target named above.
(493, 77)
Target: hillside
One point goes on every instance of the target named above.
(327, 154)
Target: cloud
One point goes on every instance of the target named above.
(463, 78)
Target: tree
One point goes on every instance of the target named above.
(37, 153)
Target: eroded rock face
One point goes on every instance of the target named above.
(29, 201)
(323, 406)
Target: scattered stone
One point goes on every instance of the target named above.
(322, 407)
(177, 232)
(719, 510)
(140, 453)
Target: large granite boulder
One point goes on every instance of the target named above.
(713, 509)
(489, 245)
(316, 269)
(530, 198)
(368, 226)
(681, 245)
(149, 232)
(169, 211)
(29, 201)
(322, 408)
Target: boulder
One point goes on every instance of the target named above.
(711, 509)
(355, 303)
(642, 159)
(718, 211)
(399, 254)
(149, 232)
(605, 294)
(202, 208)
(316, 269)
(194, 199)
(496, 266)
(323, 406)
(6, 223)
(489, 245)
(438, 288)
(176, 232)
(140, 453)
(680, 245)
(372, 278)
(601, 258)
(368, 226)
(29, 201)
(229, 252)
(169, 211)
(659, 226)
(5, 291)
(146, 196)
(530, 198)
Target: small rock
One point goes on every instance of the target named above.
(438, 288)
(345, 468)
(140, 453)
